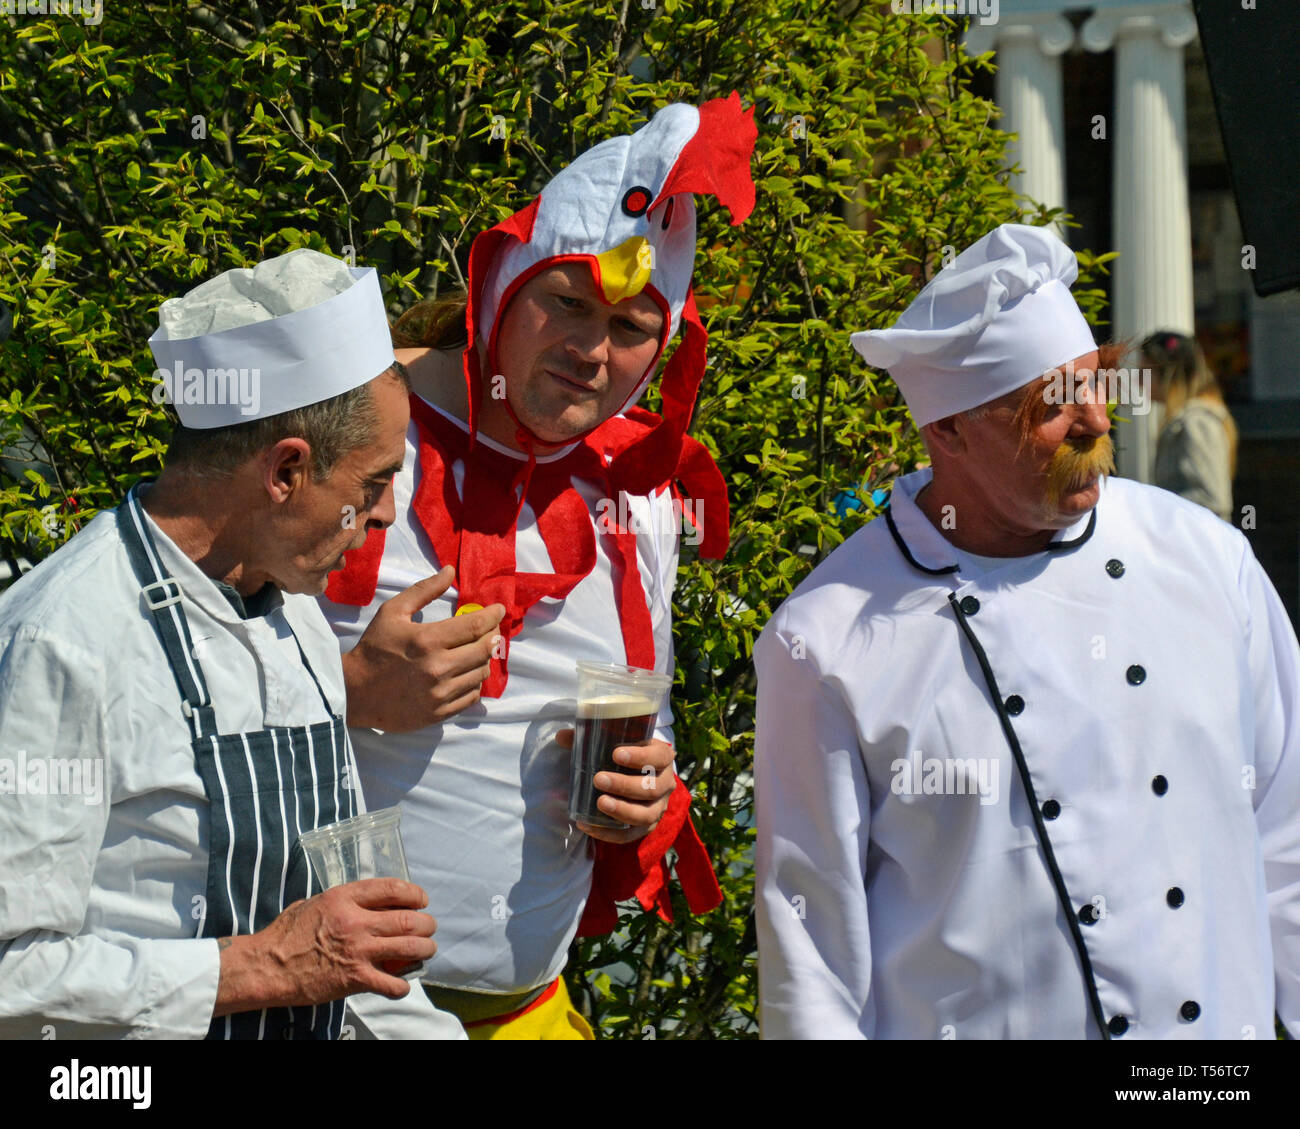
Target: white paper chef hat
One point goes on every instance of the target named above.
(251, 343)
(998, 316)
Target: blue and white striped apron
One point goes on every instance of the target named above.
(264, 789)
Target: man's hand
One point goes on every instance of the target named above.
(640, 800)
(404, 675)
(327, 947)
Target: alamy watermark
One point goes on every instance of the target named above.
(90, 11)
(611, 517)
(919, 775)
(242, 386)
(101, 1083)
(1129, 387)
(53, 776)
(985, 10)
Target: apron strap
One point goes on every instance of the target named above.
(162, 596)
(329, 709)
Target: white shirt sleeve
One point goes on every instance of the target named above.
(813, 816)
(52, 708)
(1275, 669)
(372, 1016)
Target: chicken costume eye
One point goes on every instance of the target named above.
(635, 201)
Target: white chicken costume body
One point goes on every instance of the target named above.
(484, 795)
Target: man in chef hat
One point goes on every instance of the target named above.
(172, 703)
(1028, 762)
(539, 492)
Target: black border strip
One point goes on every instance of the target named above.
(1062, 894)
(902, 548)
(1057, 546)
(1052, 546)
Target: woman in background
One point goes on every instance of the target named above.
(1196, 454)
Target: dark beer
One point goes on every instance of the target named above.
(604, 724)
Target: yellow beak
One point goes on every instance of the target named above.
(625, 269)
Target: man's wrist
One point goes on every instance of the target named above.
(245, 982)
(352, 677)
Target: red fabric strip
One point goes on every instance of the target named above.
(355, 583)
(639, 869)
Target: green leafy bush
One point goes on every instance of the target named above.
(149, 152)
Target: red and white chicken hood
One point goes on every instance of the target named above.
(625, 208)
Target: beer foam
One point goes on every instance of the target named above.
(618, 705)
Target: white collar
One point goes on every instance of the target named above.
(930, 550)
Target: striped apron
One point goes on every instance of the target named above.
(264, 789)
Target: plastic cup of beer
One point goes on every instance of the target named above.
(366, 846)
(617, 705)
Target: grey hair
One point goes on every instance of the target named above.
(331, 428)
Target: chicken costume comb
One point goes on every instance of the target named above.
(625, 208)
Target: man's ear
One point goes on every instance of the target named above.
(285, 468)
(946, 437)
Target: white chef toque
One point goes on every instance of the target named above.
(251, 343)
(998, 316)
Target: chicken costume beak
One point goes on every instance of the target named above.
(625, 269)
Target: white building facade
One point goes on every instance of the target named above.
(1151, 220)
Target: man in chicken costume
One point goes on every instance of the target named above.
(558, 504)
(1028, 752)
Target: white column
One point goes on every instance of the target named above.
(1152, 232)
(1029, 51)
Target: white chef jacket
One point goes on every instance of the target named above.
(484, 795)
(1149, 675)
(99, 901)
